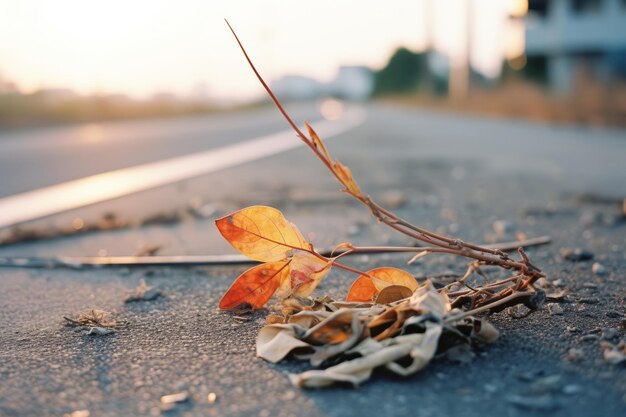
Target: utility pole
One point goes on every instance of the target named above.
(459, 80)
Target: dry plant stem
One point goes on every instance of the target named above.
(446, 244)
(509, 299)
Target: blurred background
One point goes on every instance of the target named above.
(77, 61)
(117, 114)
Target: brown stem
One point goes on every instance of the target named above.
(450, 245)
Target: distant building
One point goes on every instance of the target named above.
(570, 33)
(297, 87)
(353, 83)
(350, 83)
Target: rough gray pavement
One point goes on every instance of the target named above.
(458, 176)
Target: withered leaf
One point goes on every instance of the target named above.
(419, 348)
(345, 176)
(393, 293)
(305, 273)
(484, 331)
(365, 289)
(276, 341)
(255, 286)
(317, 142)
(261, 233)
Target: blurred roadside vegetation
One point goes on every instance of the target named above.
(48, 107)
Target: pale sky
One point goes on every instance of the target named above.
(139, 47)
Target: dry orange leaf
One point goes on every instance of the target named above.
(365, 289)
(305, 273)
(256, 286)
(261, 233)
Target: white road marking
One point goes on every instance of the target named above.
(46, 201)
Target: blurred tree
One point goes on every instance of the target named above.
(405, 72)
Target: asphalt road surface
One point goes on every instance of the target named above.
(455, 174)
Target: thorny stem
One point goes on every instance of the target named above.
(445, 244)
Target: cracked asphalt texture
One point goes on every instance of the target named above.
(457, 174)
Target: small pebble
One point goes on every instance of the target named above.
(490, 388)
(99, 331)
(575, 355)
(609, 333)
(589, 338)
(614, 356)
(598, 269)
(576, 255)
(502, 227)
(555, 309)
(572, 389)
(179, 397)
(78, 413)
(212, 397)
(547, 384)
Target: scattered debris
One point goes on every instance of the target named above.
(576, 255)
(546, 385)
(99, 331)
(589, 338)
(142, 293)
(356, 338)
(598, 269)
(614, 354)
(555, 309)
(609, 333)
(558, 282)
(92, 318)
(575, 355)
(179, 397)
(148, 250)
(77, 413)
(241, 319)
(572, 389)
(502, 228)
(560, 296)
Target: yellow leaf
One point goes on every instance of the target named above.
(261, 233)
(365, 289)
(305, 273)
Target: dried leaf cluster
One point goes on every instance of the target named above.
(388, 320)
(350, 340)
